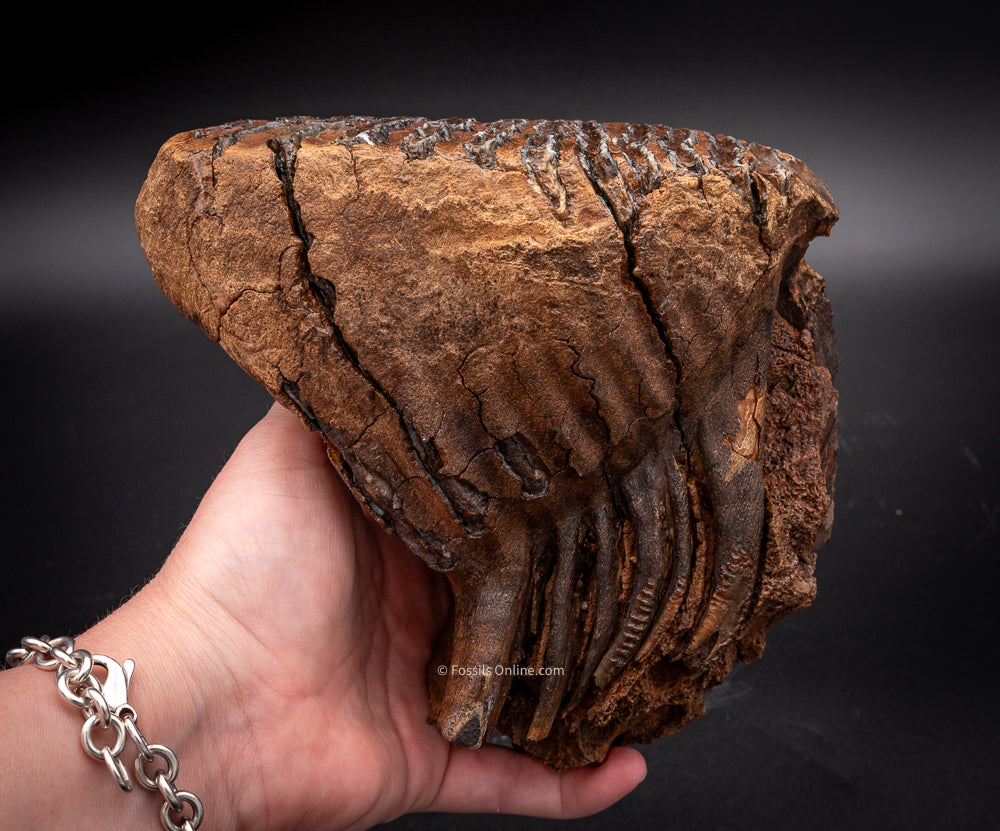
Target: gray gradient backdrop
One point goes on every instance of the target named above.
(873, 709)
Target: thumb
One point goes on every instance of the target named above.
(498, 780)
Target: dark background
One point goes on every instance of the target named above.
(873, 709)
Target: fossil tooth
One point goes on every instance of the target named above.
(581, 368)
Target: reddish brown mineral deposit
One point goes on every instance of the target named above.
(580, 368)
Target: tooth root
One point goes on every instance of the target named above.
(465, 727)
(738, 525)
(680, 565)
(637, 620)
(561, 625)
(644, 494)
(725, 609)
(608, 552)
(488, 611)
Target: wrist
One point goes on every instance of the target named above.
(40, 734)
(44, 715)
(175, 705)
(175, 695)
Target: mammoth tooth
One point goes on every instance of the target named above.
(642, 489)
(580, 368)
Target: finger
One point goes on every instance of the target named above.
(498, 780)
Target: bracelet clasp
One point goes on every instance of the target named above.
(114, 688)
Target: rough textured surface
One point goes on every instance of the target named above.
(580, 368)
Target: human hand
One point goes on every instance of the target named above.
(286, 662)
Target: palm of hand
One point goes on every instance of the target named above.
(327, 625)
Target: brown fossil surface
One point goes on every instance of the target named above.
(580, 368)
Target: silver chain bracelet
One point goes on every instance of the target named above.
(105, 705)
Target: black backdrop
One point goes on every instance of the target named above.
(873, 709)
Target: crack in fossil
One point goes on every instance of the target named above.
(626, 228)
(243, 293)
(470, 517)
(354, 170)
(575, 369)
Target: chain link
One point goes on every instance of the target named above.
(104, 707)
